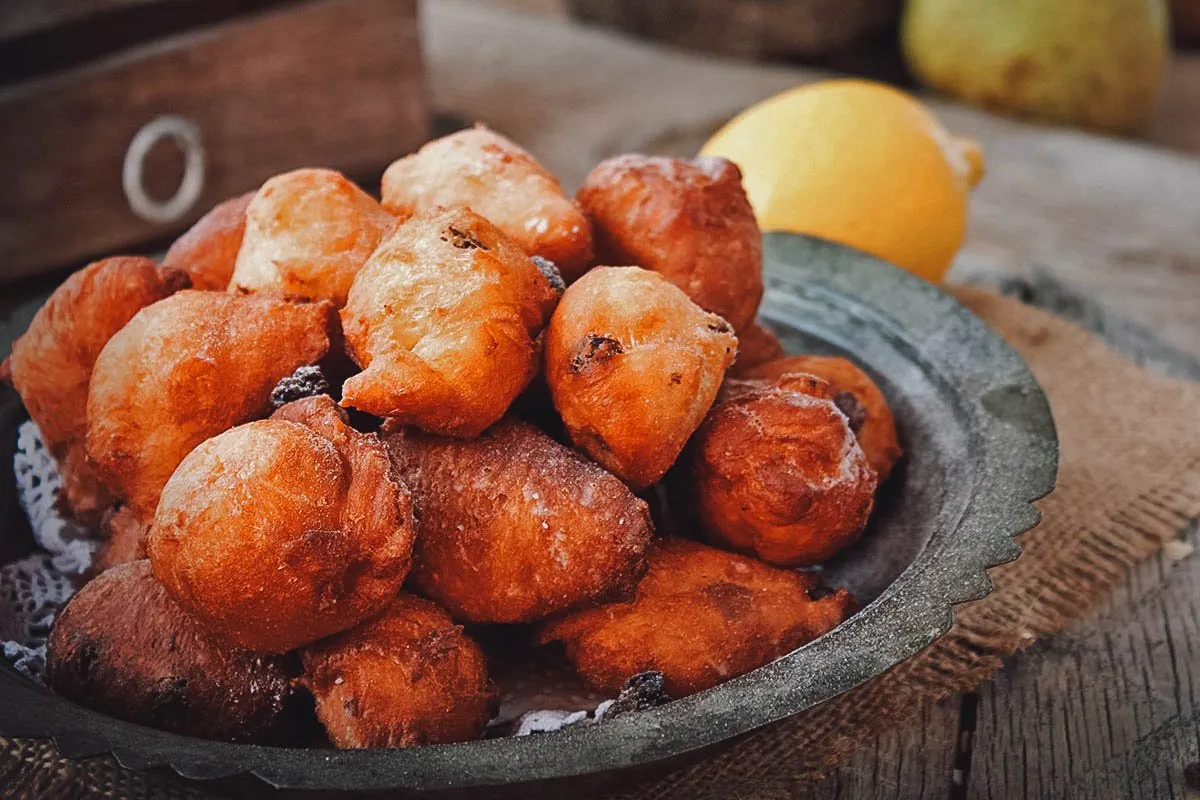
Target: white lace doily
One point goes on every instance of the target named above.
(35, 587)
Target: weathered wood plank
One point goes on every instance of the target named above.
(912, 760)
(1118, 220)
(1108, 709)
(261, 91)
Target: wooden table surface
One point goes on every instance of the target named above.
(1106, 230)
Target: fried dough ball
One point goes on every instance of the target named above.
(700, 617)
(633, 365)
(480, 169)
(444, 320)
(308, 233)
(866, 406)
(125, 648)
(185, 369)
(208, 250)
(775, 472)
(756, 346)
(52, 363)
(689, 221)
(125, 540)
(282, 531)
(407, 677)
(514, 526)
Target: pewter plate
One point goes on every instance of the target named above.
(980, 447)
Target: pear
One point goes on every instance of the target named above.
(1092, 63)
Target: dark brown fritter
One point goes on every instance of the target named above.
(125, 648)
(876, 430)
(775, 472)
(689, 221)
(280, 532)
(125, 540)
(756, 346)
(700, 616)
(408, 677)
(208, 250)
(514, 526)
(53, 361)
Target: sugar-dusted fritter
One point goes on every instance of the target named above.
(866, 406)
(124, 647)
(408, 677)
(187, 368)
(633, 365)
(52, 362)
(689, 221)
(308, 233)
(444, 320)
(756, 346)
(775, 471)
(283, 531)
(514, 526)
(700, 617)
(484, 171)
(208, 250)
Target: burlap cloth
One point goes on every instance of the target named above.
(1129, 481)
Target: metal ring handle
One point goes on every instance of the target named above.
(186, 134)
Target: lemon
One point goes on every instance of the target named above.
(859, 163)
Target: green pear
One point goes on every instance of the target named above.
(1093, 63)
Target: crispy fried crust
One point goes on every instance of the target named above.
(444, 320)
(185, 369)
(484, 171)
(514, 526)
(283, 531)
(775, 472)
(877, 432)
(407, 677)
(756, 346)
(52, 363)
(689, 221)
(208, 250)
(633, 365)
(700, 616)
(124, 648)
(308, 233)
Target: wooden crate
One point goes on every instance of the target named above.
(102, 101)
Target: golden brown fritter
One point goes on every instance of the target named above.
(124, 648)
(308, 233)
(444, 320)
(514, 526)
(756, 346)
(407, 677)
(775, 472)
(633, 365)
(187, 368)
(208, 250)
(484, 171)
(283, 531)
(52, 363)
(700, 617)
(689, 221)
(869, 410)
